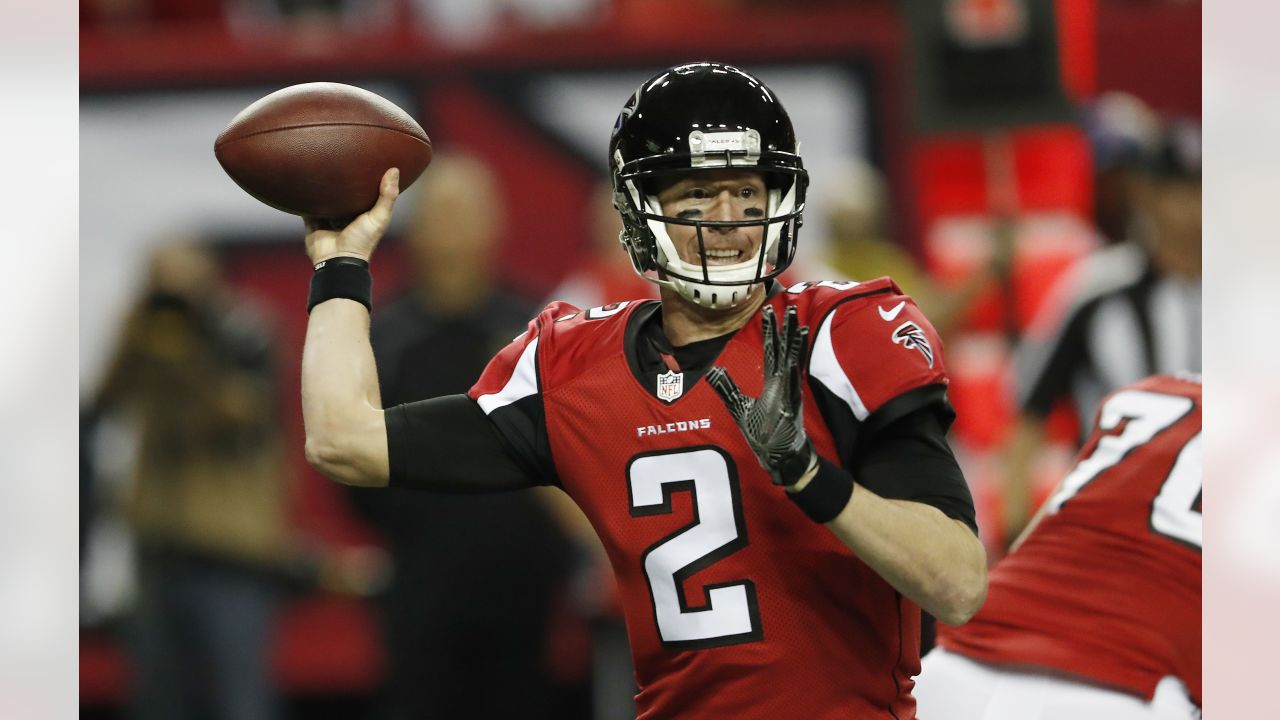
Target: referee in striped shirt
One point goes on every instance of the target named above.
(1131, 310)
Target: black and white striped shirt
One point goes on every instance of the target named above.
(1125, 321)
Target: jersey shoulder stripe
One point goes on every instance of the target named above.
(560, 343)
(513, 373)
(871, 343)
(825, 368)
(522, 382)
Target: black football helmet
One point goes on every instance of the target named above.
(696, 117)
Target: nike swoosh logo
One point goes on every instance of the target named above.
(889, 315)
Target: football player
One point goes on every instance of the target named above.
(766, 467)
(1096, 613)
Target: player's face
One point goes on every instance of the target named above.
(719, 195)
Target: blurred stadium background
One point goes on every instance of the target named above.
(976, 114)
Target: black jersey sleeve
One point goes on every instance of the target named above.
(901, 450)
(448, 444)
(909, 459)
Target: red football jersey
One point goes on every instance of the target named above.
(736, 604)
(1107, 585)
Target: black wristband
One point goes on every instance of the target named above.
(341, 277)
(827, 493)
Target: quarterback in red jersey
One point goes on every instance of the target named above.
(775, 530)
(1097, 610)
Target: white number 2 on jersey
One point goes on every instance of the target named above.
(1174, 512)
(731, 614)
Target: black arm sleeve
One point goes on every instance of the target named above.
(448, 444)
(909, 459)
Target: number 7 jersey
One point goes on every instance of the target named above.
(737, 605)
(1107, 584)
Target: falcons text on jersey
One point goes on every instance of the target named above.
(736, 604)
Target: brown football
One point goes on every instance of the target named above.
(320, 149)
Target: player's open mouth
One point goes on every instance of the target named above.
(726, 256)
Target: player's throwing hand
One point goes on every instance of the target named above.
(773, 423)
(326, 239)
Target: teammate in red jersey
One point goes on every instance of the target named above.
(774, 530)
(1097, 611)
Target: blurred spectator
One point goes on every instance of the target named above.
(466, 619)
(195, 368)
(860, 248)
(603, 273)
(1131, 310)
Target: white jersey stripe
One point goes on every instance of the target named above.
(1115, 344)
(1174, 307)
(824, 368)
(522, 384)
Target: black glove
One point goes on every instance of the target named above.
(773, 424)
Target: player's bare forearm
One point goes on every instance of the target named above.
(341, 406)
(345, 427)
(935, 560)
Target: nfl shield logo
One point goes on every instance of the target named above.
(670, 386)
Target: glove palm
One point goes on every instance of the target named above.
(773, 424)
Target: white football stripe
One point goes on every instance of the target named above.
(522, 384)
(824, 368)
